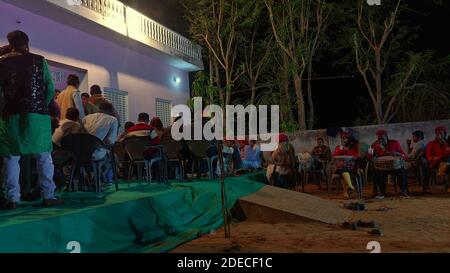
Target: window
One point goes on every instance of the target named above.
(163, 108)
(120, 101)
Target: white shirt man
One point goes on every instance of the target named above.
(103, 126)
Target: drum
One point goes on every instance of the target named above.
(342, 162)
(305, 161)
(389, 163)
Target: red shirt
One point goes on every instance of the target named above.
(143, 129)
(436, 152)
(393, 146)
(344, 150)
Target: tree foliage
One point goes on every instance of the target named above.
(266, 52)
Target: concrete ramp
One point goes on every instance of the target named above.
(273, 204)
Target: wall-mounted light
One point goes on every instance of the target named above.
(177, 80)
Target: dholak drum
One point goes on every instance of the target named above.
(389, 163)
(342, 162)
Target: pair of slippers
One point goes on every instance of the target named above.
(361, 224)
(355, 206)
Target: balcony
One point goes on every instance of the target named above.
(114, 15)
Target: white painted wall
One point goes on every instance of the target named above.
(107, 64)
(305, 141)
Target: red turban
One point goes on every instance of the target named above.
(243, 142)
(381, 132)
(282, 138)
(440, 129)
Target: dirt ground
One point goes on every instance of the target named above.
(418, 224)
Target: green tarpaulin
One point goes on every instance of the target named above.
(138, 218)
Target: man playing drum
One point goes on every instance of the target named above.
(438, 151)
(348, 147)
(388, 152)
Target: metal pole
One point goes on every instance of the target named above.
(226, 216)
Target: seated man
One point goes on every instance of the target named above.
(70, 125)
(417, 158)
(321, 152)
(143, 129)
(349, 147)
(384, 146)
(103, 124)
(252, 158)
(127, 126)
(284, 159)
(438, 152)
(162, 132)
(416, 147)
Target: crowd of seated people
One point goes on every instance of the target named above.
(36, 122)
(349, 157)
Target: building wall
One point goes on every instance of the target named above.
(306, 140)
(107, 64)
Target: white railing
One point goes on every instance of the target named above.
(113, 9)
(166, 36)
(108, 8)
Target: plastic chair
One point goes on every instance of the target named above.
(83, 148)
(172, 153)
(135, 147)
(434, 177)
(320, 173)
(120, 155)
(199, 149)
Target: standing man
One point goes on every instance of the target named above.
(27, 89)
(71, 97)
(89, 108)
(97, 98)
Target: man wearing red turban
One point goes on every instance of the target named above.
(285, 160)
(349, 147)
(438, 150)
(384, 146)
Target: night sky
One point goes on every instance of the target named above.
(338, 102)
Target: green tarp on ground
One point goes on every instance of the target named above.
(138, 218)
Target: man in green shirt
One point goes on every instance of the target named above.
(26, 90)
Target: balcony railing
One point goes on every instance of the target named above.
(115, 15)
(107, 8)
